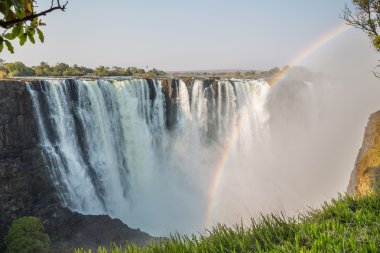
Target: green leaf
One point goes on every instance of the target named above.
(9, 36)
(23, 39)
(31, 31)
(34, 22)
(40, 35)
(20, 14)
(1, 46)
(40, 23)
(21, 33)
(9, 46)
(31, 38)
(10, 15)
(17, 30)
(376, 42)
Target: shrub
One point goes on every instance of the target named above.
(26, 235)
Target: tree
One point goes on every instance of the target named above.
(16, 69)
(26, 235)
(154, 73)
(43, 69)
(21, 21)
(102, 71)
(365, 16)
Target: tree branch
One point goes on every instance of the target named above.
(7, 24)
(361, 20)
(377, 74)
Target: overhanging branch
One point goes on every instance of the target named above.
(8, 24)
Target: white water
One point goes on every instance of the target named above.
(109, 150)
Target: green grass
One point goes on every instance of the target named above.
(348, 224)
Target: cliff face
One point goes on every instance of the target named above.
(25, 185)
(25, 188)
(365, 177)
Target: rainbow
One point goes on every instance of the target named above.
(309, 50)
(299, 58)
(218, 171)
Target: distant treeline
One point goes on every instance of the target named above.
(14, 69)
(246, 74)
(19, 69)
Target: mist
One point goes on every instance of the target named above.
(299, 150)
(310, 141)
(295, 148)
(235, 149)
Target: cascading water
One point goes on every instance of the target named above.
(110, 151)
(181, 155)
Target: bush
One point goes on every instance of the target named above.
(26, 235)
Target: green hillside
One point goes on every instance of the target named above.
(348, 224)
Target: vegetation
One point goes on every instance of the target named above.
(247, 74)
(26, 235)
(348, 224)
(15, 69)
(60, 69)
(130, 71)
(21, 22)
(365, 16)
(18, 69)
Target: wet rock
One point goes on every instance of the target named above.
(26, 188)
(365, 177)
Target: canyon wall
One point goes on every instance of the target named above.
(26, 188)
(163, 115)
(115, 147)
(365, 177)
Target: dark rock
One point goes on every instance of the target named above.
(25, 185)
(72, 230)
(152, 90)
(170, 91)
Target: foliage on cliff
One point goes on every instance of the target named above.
(365, 178)
(348, 224)
(20, 21)
(26, 235)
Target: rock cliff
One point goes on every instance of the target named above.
(365, 177)
(25, 185)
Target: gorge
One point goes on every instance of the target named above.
(167, 155)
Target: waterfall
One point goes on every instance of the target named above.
(109, 150)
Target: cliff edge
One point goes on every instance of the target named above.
(365, 177)
(26, 188)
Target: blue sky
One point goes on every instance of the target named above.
(181, 34)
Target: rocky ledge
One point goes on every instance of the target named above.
(26, 188)
(365, 177)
